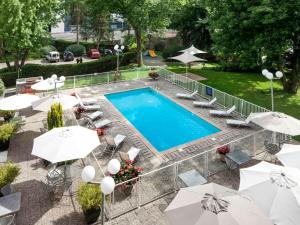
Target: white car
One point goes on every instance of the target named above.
(53, 56)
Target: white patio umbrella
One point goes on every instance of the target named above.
(213, 204)
(17, 102)
(187, 58)
(46, 85)
(44, 104)
(66, 143)
(275, 189)
(193, 50)
(276, 122)
(289, 155)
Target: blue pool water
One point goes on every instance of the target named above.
(161, 121)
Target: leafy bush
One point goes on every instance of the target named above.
(6, 131)
(46, 49)
(77, 50)
(61, 45)
(7, 114)
(127, 171)
(172, 51)
(160, 45)
(8, 173)
(55, 116)
(89, 196)
(2, 87)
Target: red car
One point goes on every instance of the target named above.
(93, 53)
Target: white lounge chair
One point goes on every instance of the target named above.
(87, 107)
(94, 115)
(205, 104)
(222, 112)
(238, 123)
(114, 143)
(86, 101)
(102, 123)
(130, 155)
(187, 96)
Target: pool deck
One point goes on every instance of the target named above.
(39, 207)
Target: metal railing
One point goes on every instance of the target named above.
(160, 182)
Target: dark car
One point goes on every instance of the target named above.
(68, 56)
(106, 52)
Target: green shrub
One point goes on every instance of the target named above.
(7, 114)
(6, 131)
(2, 87)
(8, 173)
(89, 196)
(77, 50)
(46, 49)
(55, 116)
(172, 51)
(61, 45)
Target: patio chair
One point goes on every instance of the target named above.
(271, 150)
(93, 116)
(86, 101)
(222, 112)
(102, 123)
(187, 96)
(239, 123)
(114, 143)
(8, 220)
(130, 155)
(205, 104)
(55, 179)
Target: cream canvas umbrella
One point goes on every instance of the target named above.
(193, 50)
(213, 204)
(17, 102)
(276, 122)
(46, 85)
(66, 143)
(44, 104)
(289, 155)
(187, 58)
(275, 189)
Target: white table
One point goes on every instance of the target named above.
(192, 178)
(10, 204)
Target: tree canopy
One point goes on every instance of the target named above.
(245, 31)
(24, 26)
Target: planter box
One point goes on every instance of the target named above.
(92, 215)
(4, 145)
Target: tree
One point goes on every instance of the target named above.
(144, 16)
(24, 27)
(245, 31)
(192, 23)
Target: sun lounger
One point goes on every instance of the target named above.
(222, 112)
(86, 101)
(102, 123)
(205, 104)
(94, 115)
(239, 123)
(131, 155)
(114, 143)
(87, 107)
(187, 96)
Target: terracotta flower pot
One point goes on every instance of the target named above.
(222, 157)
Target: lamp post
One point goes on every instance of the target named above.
(118, 49)
(271, 77)
(55, 79)
(107, 184)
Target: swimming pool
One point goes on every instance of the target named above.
(161, 121)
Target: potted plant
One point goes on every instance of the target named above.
(127, 172)
(7, 114)
(6, 132)
(8, 174)
(223, 151)
(154, 75)
(89, 196)
(55, 116)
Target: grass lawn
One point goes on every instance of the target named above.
(252, 87)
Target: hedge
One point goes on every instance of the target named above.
(101, 65)
(2, 88)
(61, 45)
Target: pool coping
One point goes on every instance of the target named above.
(146, 142)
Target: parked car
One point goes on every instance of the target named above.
(93, 53)
(68, 56)
(106, 52)
(53, 56)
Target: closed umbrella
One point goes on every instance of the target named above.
(44, 104)
(276, 122)
(46, 85)
(66, 143)
(289, 155)
(187, 58)
(17, 102)
(192, 50)
(213, 204)
(275, 189)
